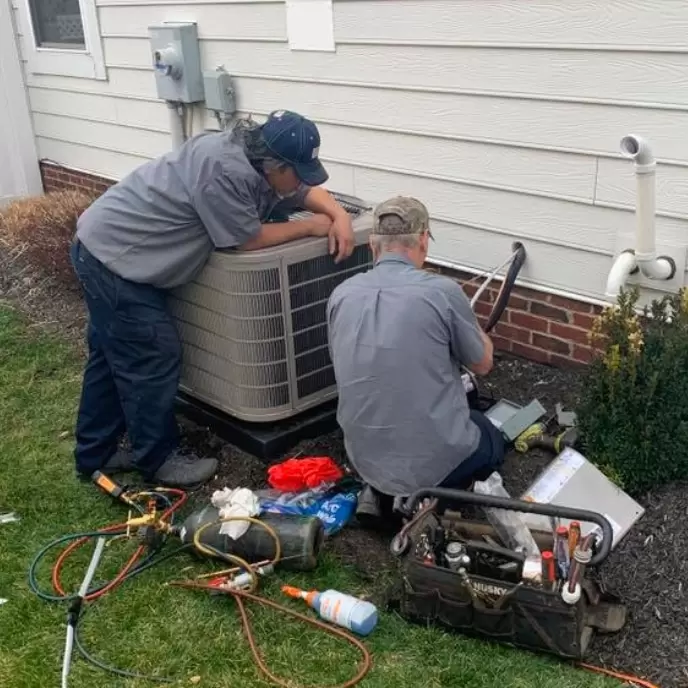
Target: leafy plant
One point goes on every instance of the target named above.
(633, 412)
(38, 230)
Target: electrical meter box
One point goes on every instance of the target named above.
(177, 61)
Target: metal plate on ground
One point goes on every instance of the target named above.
(571, 480)
(501, 412)
(512, 419)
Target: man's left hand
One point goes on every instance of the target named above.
(341, 237)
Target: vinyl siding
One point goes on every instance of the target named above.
(504, 116)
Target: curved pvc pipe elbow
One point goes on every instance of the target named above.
(624, 265)
(660, 268)
(637, 149)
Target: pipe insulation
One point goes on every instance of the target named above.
(489, 279)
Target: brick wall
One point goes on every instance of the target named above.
(536, 326)
(56, 177)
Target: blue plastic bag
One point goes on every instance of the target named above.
(334, 510)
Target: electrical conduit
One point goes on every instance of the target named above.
(177, 123)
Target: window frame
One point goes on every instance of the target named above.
(87, 63)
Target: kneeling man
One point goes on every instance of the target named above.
(398, 336)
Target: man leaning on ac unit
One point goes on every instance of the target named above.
(398, 336)
(155, 230)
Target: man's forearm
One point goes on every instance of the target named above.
(489, 346)
(320, 200)
(276, 233)
(484, 366)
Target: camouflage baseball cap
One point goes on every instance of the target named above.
(413, 214)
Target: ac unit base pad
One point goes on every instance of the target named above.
(266, 441)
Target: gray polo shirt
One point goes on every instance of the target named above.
(161, 222)
(397, 335)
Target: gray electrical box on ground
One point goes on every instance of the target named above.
(219, 91)
(177, 61)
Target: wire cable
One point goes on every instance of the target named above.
(87, 656)
(77, 540)
(112, 669)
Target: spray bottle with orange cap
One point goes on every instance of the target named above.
(336, 607)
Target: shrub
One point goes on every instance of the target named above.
(39, 230)
(633, 412)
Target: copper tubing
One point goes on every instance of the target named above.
(239, 597)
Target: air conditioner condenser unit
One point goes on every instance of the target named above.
(253, 324)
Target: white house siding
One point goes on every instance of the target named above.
(504, 116)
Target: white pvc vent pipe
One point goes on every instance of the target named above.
(643, 256)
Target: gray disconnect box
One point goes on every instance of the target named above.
(219, 91)
(177, 61)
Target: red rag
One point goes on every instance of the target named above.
(284, 477)
(293, 475)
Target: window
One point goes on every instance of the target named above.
(57, 24)
(62, 37)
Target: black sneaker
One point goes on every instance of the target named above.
(122, 461)
(185, 471)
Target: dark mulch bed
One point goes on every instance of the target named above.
(649, 569)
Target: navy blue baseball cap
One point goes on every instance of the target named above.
(296, 140)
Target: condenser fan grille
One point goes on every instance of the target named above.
(310, 284)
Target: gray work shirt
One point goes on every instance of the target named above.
(397, 337)
(161, 222)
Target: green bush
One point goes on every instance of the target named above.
(633, 412)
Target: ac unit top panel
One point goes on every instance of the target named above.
(362, 219)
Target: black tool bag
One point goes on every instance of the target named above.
(483, 601)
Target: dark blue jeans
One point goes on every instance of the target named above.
(132, 374)
(488, 457)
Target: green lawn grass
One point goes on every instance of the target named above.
(147, 627)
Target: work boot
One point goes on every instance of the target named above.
(185, 471)
(368, 511)
(122, 461)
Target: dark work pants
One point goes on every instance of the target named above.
(488, 457)
(132, 374)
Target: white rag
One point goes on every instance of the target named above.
(237, 502)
